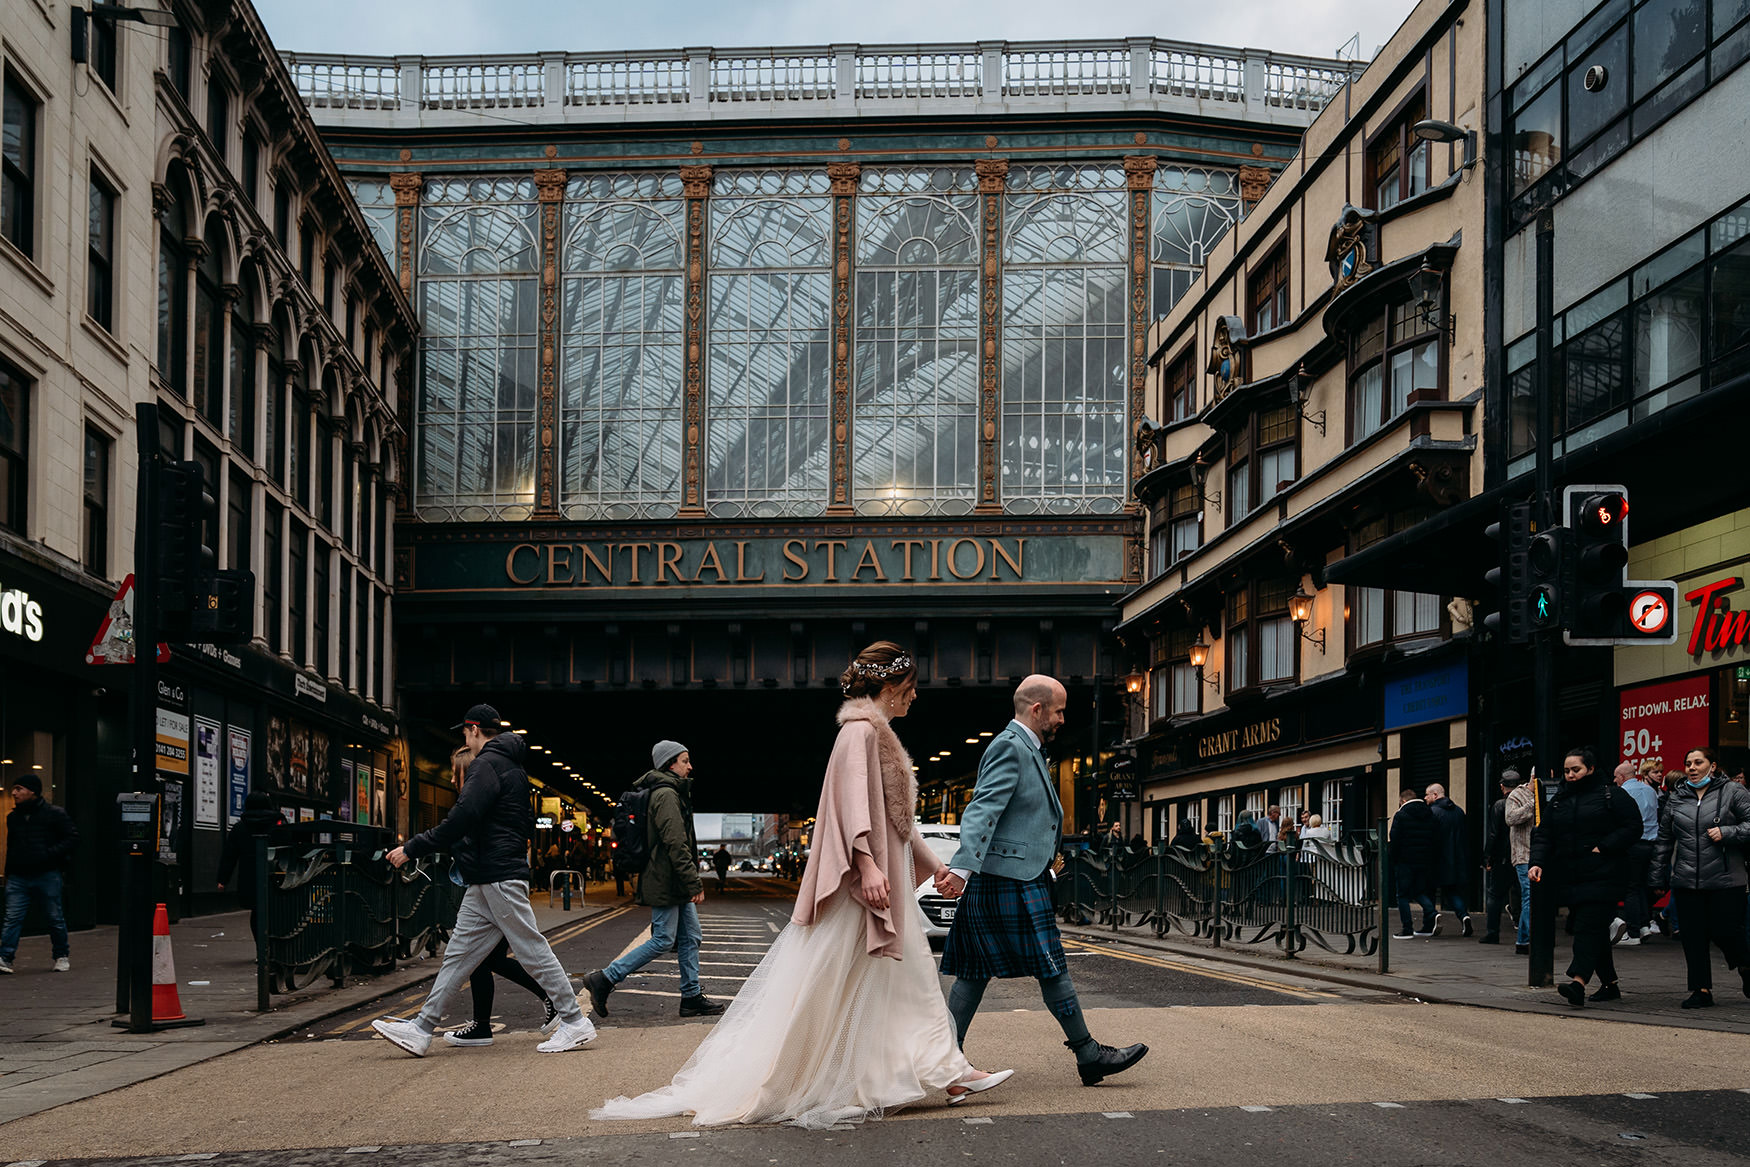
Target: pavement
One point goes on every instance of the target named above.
(57, 1043)
(1455, 970)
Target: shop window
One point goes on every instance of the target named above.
(18, 166)
(1261, 639)
(99, 451)
(14, 447)
(1269, 292)
(1394, 356)
(272, 573)
(100, 250)
(1181, 387)
(1379, 615)
(1397, 161)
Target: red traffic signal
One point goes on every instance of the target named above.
(1601, 514)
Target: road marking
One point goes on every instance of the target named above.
(1514, 1101)
(1389, 1105)
(1156, 962)
(572, 931)
(524, 1143)
(1117, 1114)
(978, 1121)
(1642, 1097)
(683, 1134)
(195, 1157)
(775, 929)
(1256, 1109)
(363, 1150)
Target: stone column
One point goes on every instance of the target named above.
(1139, 176)
(696, 185)
(993, 174)
(407, 188)
(844, 177)
(550, 189)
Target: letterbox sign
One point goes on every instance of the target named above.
(881, 559)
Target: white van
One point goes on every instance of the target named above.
(938, 911)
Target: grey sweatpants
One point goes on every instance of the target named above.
(491, 910)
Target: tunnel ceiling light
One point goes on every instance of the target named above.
(972, 741)
(986, 733)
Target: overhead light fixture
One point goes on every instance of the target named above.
(1432, 130)
(985, 733)
(972, 741)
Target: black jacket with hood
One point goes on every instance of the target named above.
(40, 838)
(489, 828)
(1694, 861)
(1582, 843)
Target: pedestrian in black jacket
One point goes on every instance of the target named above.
(40, 838)
(260, 817)
(1412, 856)
(1451, 853)
(1579, 853)
(1702, 831)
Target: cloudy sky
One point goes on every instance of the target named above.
(1313, 27)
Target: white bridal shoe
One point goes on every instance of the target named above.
(968, 1089)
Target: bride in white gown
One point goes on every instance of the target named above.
(844, 1018)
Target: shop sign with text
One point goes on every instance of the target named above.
(1718, 627)
(1665, 721)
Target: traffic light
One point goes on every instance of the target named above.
(1544, 602)
(224, 608)
(1512, 579)
(1610, 608)
(181, 503)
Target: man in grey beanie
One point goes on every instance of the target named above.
(669, 885)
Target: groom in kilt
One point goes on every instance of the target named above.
(1002, 877)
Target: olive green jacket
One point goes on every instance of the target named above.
(672, 875)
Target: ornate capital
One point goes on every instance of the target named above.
(695, 181)
(844, 177)
(407, 188)
(550, 185)
(1139, 171)
(992, 174)
(231, 293)
(1254, 181)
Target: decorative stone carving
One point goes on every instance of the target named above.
(1354, 247)
(1227, 356)
(407, 188)
(550, 192)
(1254, 181)
(696, 186)
(1139, 176)
(844, 177)
(992, 176)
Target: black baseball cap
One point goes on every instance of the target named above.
(480, 715)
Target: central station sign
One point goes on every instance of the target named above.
(826, 559)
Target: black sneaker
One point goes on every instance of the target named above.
(598, 985)
(1465, 928)
(479, 1033)
(1522, 950)
(1574, 992)
(549, 1016)
(1700, 999)
(1610, 992)
(1432, 927)
(701, 1006)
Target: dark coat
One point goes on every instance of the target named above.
(489, 828)
(1497, 842)
(1696, 862)
(1451, 848)
(1591, 813)
(671, 876)
(1186, 840)
(40, 838)
(1412, 836)
(239, 852)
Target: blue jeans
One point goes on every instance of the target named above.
(675, 928)
(1524, 936)
(1407, 881)
(20, 890)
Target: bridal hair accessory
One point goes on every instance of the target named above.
(898, 667)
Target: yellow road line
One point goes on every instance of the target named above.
(572, 931)
(1176, 966)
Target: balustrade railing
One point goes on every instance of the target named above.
(980, 71)
(1317, 892)
(328, 904)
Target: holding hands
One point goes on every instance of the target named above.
(949, 885)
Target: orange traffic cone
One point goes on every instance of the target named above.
(166, 1005)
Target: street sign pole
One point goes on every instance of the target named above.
(136, 930)
(1541, 963)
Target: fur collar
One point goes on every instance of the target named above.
(899, 785)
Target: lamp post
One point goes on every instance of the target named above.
(113, 14)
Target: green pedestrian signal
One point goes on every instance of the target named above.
(1543, 607)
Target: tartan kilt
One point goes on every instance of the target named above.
(1004, 928)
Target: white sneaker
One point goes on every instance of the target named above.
(61, 964)
(5, 967)
(1629, 942)
(1618, 929)
(405, 1034)
(570, 1035)
(1649, 930)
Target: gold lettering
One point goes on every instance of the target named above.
(635, 549)
(869, 560)
(832, 548)
(510, 564)
(666, 562)
(996, 549)
(954, 558)
(796, 559)
(907, 545)
(605, 569)
(741, 575)
(935, 559)
(710, 561)
(556, 564)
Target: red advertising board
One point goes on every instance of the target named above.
(1665, 721)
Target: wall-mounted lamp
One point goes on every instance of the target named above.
(114, 13)
(1300, 607)
(1199, 653)
(1200, 474)
(1133, 682)
(1299, 392)
(1427, 298)
(1430, 130)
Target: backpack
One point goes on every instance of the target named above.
(631, 832)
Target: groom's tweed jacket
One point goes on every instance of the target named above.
(1014, 823)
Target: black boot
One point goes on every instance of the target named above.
(1700, 999)
(1107, 1061)
(701, 1006)
(599, 987)
(1610, 992)
(1574, 992)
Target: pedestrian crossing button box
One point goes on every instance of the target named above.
(139, 820)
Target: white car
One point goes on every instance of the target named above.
(938, 911)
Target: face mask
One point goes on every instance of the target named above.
(1698, 783)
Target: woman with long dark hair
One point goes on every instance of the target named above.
(844, 1017)
(1702, 831)
(1580, 852)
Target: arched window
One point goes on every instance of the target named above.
(209, 329)
(240, 423)
(915, 431)
(620, 346)
(1193, 209)
(173, 286)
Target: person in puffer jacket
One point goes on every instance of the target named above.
(1704, 827)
